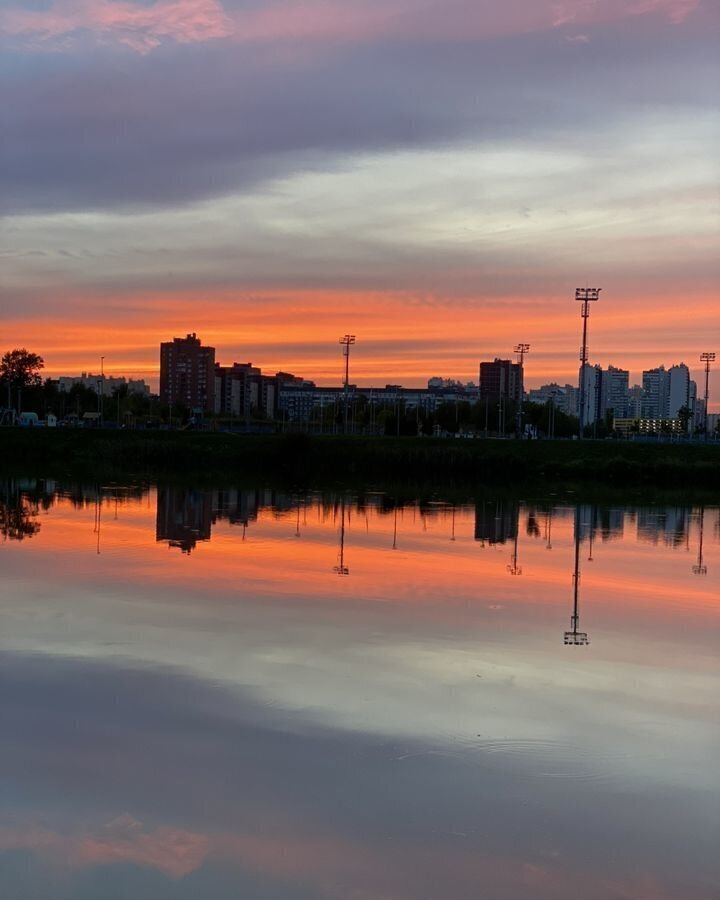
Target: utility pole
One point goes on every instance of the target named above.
(347, 341)
(521, 350)
(585, 296)
(707, 358)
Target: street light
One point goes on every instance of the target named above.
(707, 358)
(521, 350)
(347, 340)
(102, 388)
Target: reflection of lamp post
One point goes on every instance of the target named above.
(341, 568)
(700, 568)
(102, 388)
(514, 568)
(574, 637)
(548, 530)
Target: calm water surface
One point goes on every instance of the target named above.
(238, 694)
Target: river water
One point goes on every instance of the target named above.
(246, 694)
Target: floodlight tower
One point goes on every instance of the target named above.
(347, 341)
(341, 568)
(521, 350)
(700, 568)
(585, 296)
(707, 358)
(575, 638)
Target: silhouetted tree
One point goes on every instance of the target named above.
(20, 369)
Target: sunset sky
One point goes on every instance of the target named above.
(434, 177)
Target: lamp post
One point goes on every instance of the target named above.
(521, 350)
(102, 388)
(707, 358)
(584, 296)
(347, 341)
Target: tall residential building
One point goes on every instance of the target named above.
(615, 389)
(678, 390)
(592, 378)
(656, 390)
(187, 373)
(635, 402)
(501, 378)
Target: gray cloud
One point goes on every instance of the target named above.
(185, 123)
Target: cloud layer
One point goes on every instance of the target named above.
(462, 152)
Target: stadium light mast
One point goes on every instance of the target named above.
(585, 296)
(521, 350)
(707, 358)
(347, 341)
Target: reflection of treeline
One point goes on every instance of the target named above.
(312, 461)
(22, 500)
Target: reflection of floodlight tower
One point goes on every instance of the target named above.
(341, 568)
(574, 637)
(700, 568)
(707, 358)
(347, 340)
(548, 529)
(521, 350)
(513, 568)
(394, 543)
(585, 296)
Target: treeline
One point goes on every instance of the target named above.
(304, 460)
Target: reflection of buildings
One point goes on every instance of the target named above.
(575, 637)
(667, 524)
(496, 522)
(238, 507)
(184, 517)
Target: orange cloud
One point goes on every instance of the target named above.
(402, 337)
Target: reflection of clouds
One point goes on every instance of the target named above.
(219, 786)
(174, 853)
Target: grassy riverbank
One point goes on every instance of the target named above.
(312, 460)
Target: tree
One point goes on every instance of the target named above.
(20, 369)
(684, 414)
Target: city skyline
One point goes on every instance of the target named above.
(437, 178)
(530, 383)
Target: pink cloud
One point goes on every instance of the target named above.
(174, 853)
(570, 12)
(141, 27)
(186, 21)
